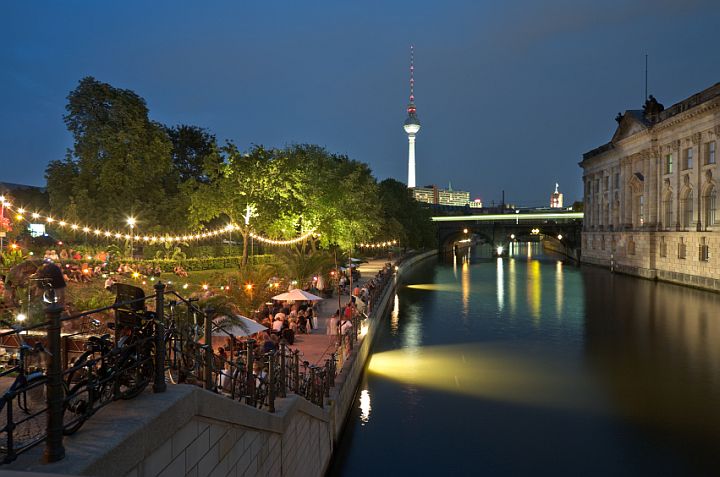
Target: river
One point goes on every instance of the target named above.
(530, 365)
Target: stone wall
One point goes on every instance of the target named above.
(193, 432)
(657, 255)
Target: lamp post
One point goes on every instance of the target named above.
(131, 223)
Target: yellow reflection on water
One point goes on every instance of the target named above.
(512, 286)
(559, 288)
(445, 287)
(534, 288)
(500, 284)
(465, 281)
(365, 406)
(395, 317)
(490, 372)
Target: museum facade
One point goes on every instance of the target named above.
(650, 194)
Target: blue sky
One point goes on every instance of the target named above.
(510, 94)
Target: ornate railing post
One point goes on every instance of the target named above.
(209, 353)
(310, 396)
(327, 377)
(272, 362)
(159, 386)
(282, 390)
(54, 449)
(250, 377)
(296, 371)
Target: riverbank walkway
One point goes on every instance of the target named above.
(318, 345)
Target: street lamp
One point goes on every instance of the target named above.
(131, 223)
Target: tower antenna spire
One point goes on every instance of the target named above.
(412, 74)
(412, 124)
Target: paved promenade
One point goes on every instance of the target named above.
(318, 345)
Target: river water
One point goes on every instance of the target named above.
(528, 365)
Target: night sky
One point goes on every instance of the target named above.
(509, 94)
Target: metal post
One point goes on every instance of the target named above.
(159, 386)
(271, 381)
(296, 370)
(54, 449)
(209, 353)
(327, 377)
(311, 391)
(282, 391)
(250, 399)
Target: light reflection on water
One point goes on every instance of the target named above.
(533, 363)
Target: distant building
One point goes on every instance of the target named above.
(651, 193)
(432, 194)
(556, 198)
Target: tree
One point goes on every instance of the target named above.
(249, 190)
(120, 163)
(403, 217)
(191, 147)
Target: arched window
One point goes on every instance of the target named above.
(710, 206)
(686, 209)
(667, 211)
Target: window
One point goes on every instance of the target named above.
(704, 250)
(682, 248)
(669, 164)
(686, 209)
(710, 152)
(710, 207)
(607, 183)
(597, 185)
(663, 247)
(617, 180)
(602, 243)
(667, 212)
(638, 211)
(631, 246)
(688, 159)
(606, 220)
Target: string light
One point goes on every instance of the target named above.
(389, 243)
(282, 242)
(169, 238)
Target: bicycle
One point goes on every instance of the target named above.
(94, 388)
(27, 393)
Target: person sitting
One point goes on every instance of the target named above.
(302, 322)
(279, 323)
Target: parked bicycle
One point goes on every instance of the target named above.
(26, 397)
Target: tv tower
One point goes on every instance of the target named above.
(412, 124)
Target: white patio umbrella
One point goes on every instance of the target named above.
(226, 329)
(297, 295)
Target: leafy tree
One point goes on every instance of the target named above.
(249, 190)
(120, 163)
(191, 147)
(403, 217)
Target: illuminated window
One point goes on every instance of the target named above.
(686, 209)
(710, 207)
(688, 159)
(669, 164)
(710, 152)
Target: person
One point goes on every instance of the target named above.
(109, 282)
(279, 323)
(302, 322)
(54, 276)
(332, 324)
(345, 326)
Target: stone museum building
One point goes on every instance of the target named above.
(651, 193)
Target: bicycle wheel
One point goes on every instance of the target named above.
(78, 407)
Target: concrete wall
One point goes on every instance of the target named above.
(193, 432)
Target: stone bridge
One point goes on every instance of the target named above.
(560, 230)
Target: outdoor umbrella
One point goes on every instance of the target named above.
(297, 295)
(228, 328)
